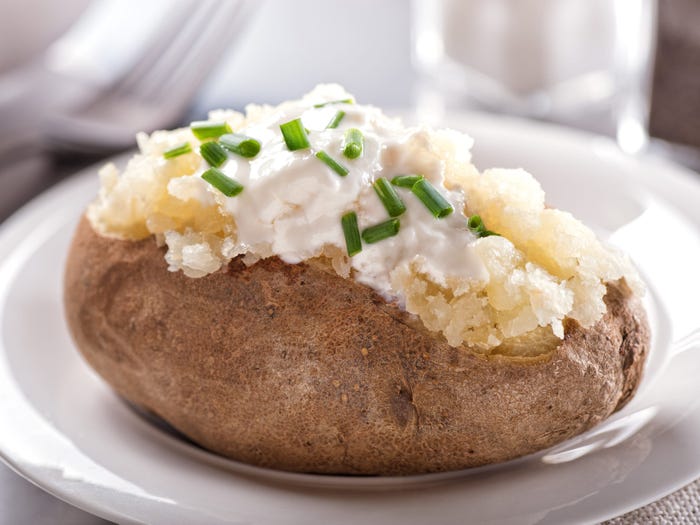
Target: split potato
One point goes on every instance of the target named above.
(296, 368)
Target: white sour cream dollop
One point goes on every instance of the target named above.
(292, 202)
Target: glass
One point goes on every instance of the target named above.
(579, 62)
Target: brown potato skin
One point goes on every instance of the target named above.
(293, 367)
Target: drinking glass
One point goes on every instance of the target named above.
(579, 62)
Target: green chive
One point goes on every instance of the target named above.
(352, 233)
(332, 164)
(221, 182)
(476, 225)
(343, 101)
(209, 130)
(381, 231)
(336, 120)
(178, 150)
(406, 181)
(353, 143)
(240, 144)
(214, 154)
(387, 194)
(436, 203)
(295, 135)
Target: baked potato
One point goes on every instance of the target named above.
(299, 366)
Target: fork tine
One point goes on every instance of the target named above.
(159, 42)
(159, 95)
(195, 30)
(199, 63)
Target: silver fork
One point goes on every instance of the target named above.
(158, 88)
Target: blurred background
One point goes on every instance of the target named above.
(79, 77)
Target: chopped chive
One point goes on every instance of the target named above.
(436, 203)
(214, 154)
(353, 143)
(178, 150)
(352, 233)
(241, 145)
(294, 135)
(381, 231)
(336, 120)
(221, 182)
(342, 101)
(387, 194)
(475, 223)
(406, 181)
(209, 130)
(332, 164)
(477, 227)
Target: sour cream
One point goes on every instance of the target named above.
(292, 202)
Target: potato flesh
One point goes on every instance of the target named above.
(546, 267)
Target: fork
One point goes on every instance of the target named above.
(157, 90)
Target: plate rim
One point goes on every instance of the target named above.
(33, 212)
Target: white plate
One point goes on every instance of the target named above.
(62, 428)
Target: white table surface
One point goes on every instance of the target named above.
(21, 502)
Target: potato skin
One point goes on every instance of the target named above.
(295, 368)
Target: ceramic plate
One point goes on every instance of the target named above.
(62, 428)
